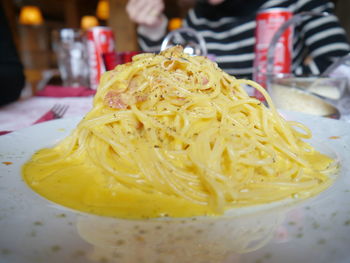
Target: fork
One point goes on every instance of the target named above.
(56, 112)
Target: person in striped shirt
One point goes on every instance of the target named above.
(228, 28)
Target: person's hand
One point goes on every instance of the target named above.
(145, 12)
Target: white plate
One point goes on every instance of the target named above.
(33, 229)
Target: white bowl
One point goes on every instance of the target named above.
(315, 96)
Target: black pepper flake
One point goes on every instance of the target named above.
(55, 248)
(5, 251)
(321, 241)
(120, 242)
(142, 231)
(61, 215)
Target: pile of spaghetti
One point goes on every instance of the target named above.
(172, 134)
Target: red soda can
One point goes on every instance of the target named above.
(112, 59)
(268, 22)
(127, 55)
(100, 40)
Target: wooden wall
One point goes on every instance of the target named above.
(124, 29)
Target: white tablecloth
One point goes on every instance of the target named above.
(23, 113)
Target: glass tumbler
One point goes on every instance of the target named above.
(70, 49)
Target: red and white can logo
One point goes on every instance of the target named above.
(100, 40)
(267, 23)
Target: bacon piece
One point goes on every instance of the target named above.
(114, 100)
(141, 98)
(118, 100)
(205, 81)
(139, 125)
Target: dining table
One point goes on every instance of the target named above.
(33, 229)
(28, 109)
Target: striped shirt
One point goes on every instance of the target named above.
(231, 37)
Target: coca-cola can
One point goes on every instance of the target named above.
(127, 55)
(268, 22)
(100, 40)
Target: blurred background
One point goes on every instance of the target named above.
(32, 23)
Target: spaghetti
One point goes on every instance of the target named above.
(172, 134)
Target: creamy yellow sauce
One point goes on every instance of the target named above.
(78, 185)
(82, 186)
